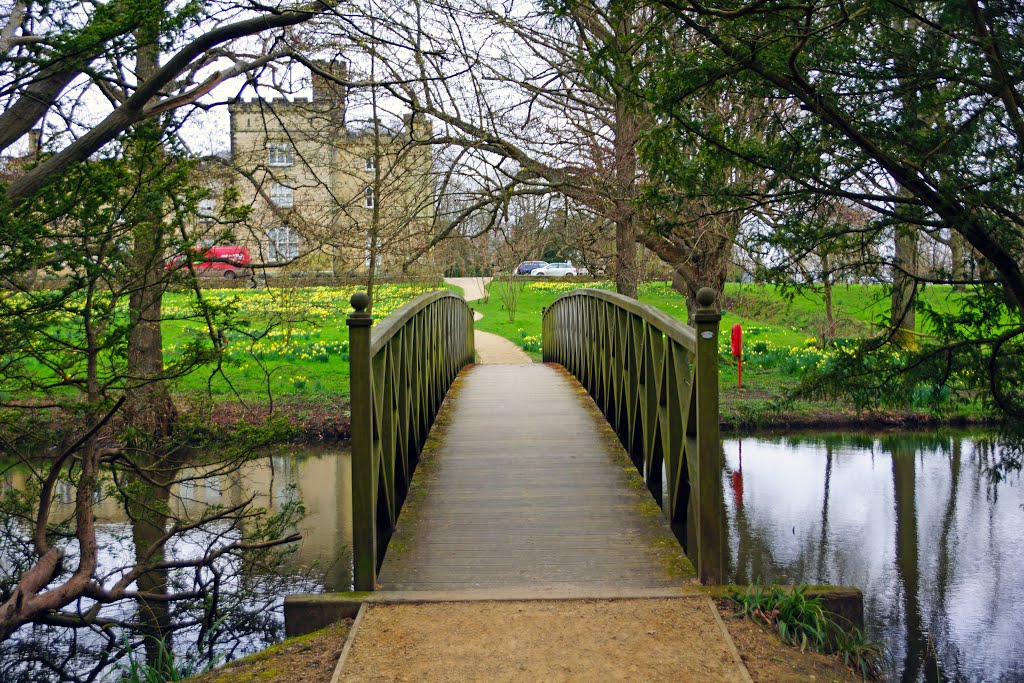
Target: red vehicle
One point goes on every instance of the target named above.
(229, 261)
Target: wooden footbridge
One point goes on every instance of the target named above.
(534, 477)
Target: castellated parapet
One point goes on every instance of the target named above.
(326, 191)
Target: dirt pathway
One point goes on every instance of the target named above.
(578, 640)
(490, 349)
(473, 287)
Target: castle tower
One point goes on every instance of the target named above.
(328, 91)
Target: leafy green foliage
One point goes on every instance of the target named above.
(803, 621)
(870, 120)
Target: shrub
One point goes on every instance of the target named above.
(802, 620)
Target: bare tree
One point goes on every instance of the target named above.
(554, 104)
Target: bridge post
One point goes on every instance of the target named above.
(364, 486)
(710, 506)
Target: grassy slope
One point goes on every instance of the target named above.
(783, 326)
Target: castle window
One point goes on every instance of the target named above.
(370, 163)
(280, 154)
(282, 244)
(282, 196)
(368, 197)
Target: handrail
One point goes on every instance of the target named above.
(669, 326)
(385, 329)
(656, 380)
(400, 371)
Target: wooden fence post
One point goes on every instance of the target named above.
(364, 485)
(710, 504)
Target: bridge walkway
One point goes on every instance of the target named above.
(523, 487)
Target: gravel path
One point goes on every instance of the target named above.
(572, 640)
(492, 349)
(473, 287)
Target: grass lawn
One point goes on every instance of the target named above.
(780, 335)
(293, 342)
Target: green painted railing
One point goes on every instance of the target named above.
(656, 380)
(400, 372)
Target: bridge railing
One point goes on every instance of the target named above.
(656, 380)
(400, 371)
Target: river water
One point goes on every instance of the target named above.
(915, 521)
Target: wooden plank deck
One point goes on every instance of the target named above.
(523, 485)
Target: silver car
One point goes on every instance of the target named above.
(556, 270)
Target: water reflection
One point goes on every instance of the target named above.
(320, 478)
(914, 521)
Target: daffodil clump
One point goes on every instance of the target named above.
(531, 342)
(312, 304)
(291, 340)
(558, 287)
(764, 354)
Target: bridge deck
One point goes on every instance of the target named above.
(523, 485)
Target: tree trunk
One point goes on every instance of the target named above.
(700, 260)
(904, 286)
(625, 257)
(956, 257)
(149, 409)
(830, 321)
(627, 126)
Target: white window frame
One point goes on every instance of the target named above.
(282, 244)
(282, 196)
(280, 154)
(206, 209)
(370, 163)
(369, 197)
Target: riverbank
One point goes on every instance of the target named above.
(782, 346)
(327, 418)
(296, 377)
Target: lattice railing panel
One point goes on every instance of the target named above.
(656, 380)
(400, 372)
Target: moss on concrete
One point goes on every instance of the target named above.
(280, 662)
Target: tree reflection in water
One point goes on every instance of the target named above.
(916, 521)
(236, 609)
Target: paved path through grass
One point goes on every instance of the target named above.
(490, 348)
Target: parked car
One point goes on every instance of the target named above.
(231, 261)
(527, 267)
(556, 270)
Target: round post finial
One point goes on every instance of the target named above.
(706, 311)
(706, 297)
(359, 317)
(360, 301)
